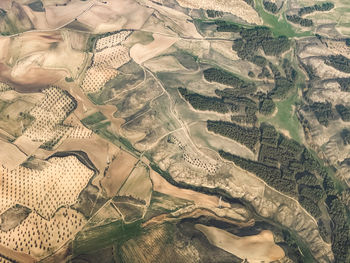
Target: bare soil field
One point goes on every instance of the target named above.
(14, 255)
(115, 15)
(255, 249)
(37, 59)
(117, 173)
(10, 156)
(141, 53)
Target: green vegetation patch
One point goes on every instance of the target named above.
(94, 118)
(37, 6)
(279, 26)
(100, 237)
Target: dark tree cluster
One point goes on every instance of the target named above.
(227, 78)
(265, 73)
(258, 60)
(323, 112)
(214, 13)
(223, 26)
(345, 135)
(310, 206)
(266, 106)
(343, 111)
(252, 39)
(299, 20)
(271, 175)
(339, 62)
(271, 7)
(200, 102)
(344, 84)
(317, 7)
(340, 229)
(304, 184)
(249, 2)
(269, 135)
(289, 71)
(246, 136)
(282, 84)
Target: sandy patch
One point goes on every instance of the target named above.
(117, 173)
(256, 249)
(238, 8)
(164, 63)
(27, 145)
(5, 4)
(16, 256)
(176, 21)
(141, 53)
(10, 156)
(4, 45)
(58, 16)
(115, 15)
(162, 186)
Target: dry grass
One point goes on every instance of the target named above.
(256, 248)
(117, 173)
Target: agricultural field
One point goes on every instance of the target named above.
(174, 131)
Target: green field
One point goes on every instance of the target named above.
(286, 118)
(279, 26)
(115, 233)
(94, 118)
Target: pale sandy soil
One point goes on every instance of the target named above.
(238, 8)
(141, 53)
(5, 4)
(10, 155)
(36, 59)
(162, 186)
(26, 145)
(4, 45)
(58, 16)
(164, 63)
(117, 173)
(256, 248)
(176, 21)
(115, 15)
